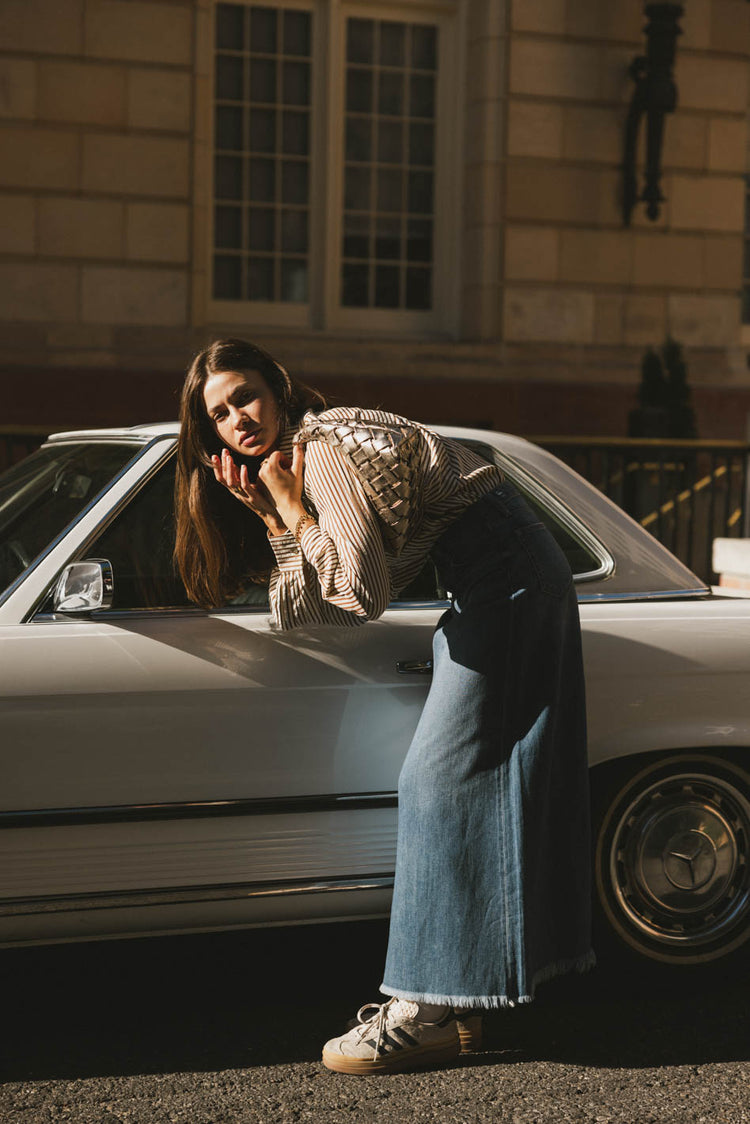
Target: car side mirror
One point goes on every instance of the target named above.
(84, 586)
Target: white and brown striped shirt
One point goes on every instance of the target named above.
(342, 571)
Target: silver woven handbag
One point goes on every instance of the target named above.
(384, 457)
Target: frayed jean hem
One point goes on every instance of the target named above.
(578, 964)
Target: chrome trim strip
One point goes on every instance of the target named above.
(198, 809)
(6, 593)
(648, 595)
(112, 899)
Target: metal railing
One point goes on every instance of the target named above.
(686, 493)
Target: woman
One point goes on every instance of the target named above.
(491, 893)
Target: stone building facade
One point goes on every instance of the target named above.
(415, 204)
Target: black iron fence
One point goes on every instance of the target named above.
(686, 493)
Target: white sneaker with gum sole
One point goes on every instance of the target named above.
(390, 1038)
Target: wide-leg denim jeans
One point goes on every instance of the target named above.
(492, 890)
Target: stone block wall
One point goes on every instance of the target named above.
(96, 120)
(572, 273)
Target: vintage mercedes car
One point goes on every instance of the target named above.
(167, 769)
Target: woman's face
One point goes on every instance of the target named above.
(243, 412)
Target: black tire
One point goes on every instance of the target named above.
(672, 857)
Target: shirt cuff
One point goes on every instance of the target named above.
(287, 551)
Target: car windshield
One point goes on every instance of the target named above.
(39, 496)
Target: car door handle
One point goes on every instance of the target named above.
(414, 667)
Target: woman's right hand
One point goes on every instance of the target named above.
(255, 496)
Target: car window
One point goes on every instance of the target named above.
(139, 543)
(40, 495)
(580, 558)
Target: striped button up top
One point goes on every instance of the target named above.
(342, 571)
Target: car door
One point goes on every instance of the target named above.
(160, 746)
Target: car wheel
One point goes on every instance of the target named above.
(672, 859)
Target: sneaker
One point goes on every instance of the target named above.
(389, 1038)
(469, 1025)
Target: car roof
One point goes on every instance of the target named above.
(149, 430)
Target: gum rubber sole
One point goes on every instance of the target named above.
(470, 1033)
(418, 1057)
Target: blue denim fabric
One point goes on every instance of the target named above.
(492, 892)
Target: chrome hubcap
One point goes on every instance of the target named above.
(679, 860)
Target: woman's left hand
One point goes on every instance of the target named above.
(283, 480)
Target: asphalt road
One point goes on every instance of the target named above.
(227, 1028)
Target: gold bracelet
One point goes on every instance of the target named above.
(303, 519)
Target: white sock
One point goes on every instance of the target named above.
(431, 1012)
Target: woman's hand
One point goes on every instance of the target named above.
(283, 481)
(254, 496)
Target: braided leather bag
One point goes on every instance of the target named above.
(385, 459)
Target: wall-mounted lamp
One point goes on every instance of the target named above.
(655, 95)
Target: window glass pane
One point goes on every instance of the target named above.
(260, 279)
(297, 33)
(392, 44)
(228, 227)
(261, 228)
(359, 91)
(388, 238)
(356, 236)
(227, 277)
(357, 189)
(229, 127)
(391, 93)
(230, 20)
(420, 192)
(390, 142)
(424, 47)
(263, 30)
(228, 177)
(229, 72)
(294, 181)
(293, 280)
(358, 138)
(262, 181)
(296, 83)
(296, 133)
(263, 80)
(294, 231)
(389, 190)
(419, 240)
(386, 286)
(421, 143)
(417, 288)
(355, 286)
(262, 130)
(421, 96)
(360, 40)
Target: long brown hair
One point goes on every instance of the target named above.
(220, 545)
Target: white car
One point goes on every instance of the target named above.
(166, 769)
